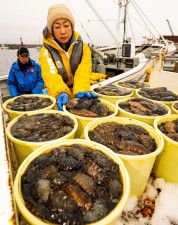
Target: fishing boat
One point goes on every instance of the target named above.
(123, 62)
(126, 60)
(4, 47)
(8, 162)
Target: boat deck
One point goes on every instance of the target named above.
(160, 78)
(8, 212)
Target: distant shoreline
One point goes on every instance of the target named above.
(16, 46)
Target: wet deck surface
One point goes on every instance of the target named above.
(161, 78)
(158, 78)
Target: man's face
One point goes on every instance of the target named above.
(24, 58)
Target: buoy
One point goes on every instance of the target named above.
(148, 73)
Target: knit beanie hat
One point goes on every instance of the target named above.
(59, 11)
(22, 50)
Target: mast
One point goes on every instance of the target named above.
(125, 21)
(21, 41)
(122, 20)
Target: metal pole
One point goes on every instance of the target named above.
(170, 28)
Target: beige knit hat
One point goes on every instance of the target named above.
(59, 11)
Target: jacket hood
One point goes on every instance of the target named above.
(49, 39)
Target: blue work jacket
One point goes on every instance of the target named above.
(28, 82)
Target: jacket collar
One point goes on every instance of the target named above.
(16, 66)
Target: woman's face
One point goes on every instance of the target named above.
(24, 58)
(62, 30)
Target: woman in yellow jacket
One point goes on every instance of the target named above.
(64, 58)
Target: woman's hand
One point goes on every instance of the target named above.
(61, 100)
(85, 94)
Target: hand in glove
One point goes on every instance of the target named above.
(85, 94)
(61, 100)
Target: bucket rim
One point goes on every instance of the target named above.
(165, 102)
(38, 144)
(28, 95)
(113, 96)
(95, 146)
(157, 137)
(165, 118)
(105, 102)
(173, 108)
(142, 116)
(134, 89)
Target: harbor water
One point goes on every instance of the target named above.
(7, 57)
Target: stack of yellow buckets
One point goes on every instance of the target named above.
(135, 170)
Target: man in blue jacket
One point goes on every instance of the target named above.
(25, 75)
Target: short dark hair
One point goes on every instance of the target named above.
(22, 50)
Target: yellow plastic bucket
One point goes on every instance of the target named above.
(12, 114)
(138, 166)
(132, 89)
(174, 110)
(113, 99)
(109, 219)
(168, 103)
(146, 119)
(24, 148)
(166, 165)
(83, 121)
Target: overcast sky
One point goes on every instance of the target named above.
(26, 19)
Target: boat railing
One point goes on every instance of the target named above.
(140, 67)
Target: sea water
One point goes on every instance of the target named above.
(7, 57)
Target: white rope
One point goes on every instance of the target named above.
(138, 22)
(133, 2)
(131, 29)
(102, 21)
(141, 16)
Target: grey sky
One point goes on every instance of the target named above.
(26, 19)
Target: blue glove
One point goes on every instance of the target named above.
(61, 100)
(84, 94)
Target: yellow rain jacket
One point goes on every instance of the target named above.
(53, 81)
